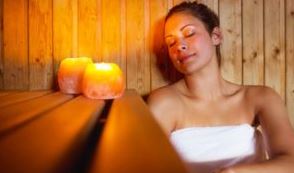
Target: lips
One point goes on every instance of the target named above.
(184, 58)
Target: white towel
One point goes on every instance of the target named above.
(207, 149)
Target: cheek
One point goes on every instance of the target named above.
(205, 45)
(172, 53)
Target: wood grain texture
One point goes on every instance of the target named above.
(230, 22)
(21, 113)
(158, 9)
(274, 20)
(124, 31)
(111, 32)
(127, 146)
(87, 29)
(15, 44)
(1, 46)
(21, 96)
(40, 44)
(123, 38)
(53, 142)
(63, 31)
(138, 66)
(212, 4)
(176, 2)
(7, 92)
(290, 58)
(253, 51)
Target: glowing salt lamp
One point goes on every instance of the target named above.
(70, 74)
(103, 81)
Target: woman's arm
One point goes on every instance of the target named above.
(278, 132)
(162, 103)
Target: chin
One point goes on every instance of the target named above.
(191, 69)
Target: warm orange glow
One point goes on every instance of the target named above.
(70, 74)
(103, 81)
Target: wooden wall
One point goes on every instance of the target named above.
(36, 35)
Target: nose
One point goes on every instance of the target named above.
(182, 46)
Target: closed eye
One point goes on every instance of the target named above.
(188, 31)
(190, 34)
(170, 42)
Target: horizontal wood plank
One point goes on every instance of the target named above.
(133, 142)
(21, 96)
(20, 113)
(53, 142)
(6, 92)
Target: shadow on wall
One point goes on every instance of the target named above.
(160, 50)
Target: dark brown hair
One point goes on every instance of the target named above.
(201, 12)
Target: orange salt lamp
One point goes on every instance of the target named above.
(103, 81)
(70, 74)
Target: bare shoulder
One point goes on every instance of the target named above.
(163, 103)
(262, 96)
(162, 96)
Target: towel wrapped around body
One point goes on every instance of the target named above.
(207, 149)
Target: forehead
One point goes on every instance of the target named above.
(178, 20)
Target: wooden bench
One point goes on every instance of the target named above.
(51, 132)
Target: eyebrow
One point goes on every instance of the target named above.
(181, 29)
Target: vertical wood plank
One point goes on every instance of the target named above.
(169, 4)
(15, 40)
(99, 31)
(290, 58)
(1, 45)
(63, 31)
(40, 44)
(176, 2)
(111, 32)
(275, 45)
(253, 56)
(158, 9)
(147, 44)
(138, 66)
(74, 28)
(212, 4)
(87, 29)
(230, 21)
(123, 31)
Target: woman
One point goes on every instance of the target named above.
(212, 122)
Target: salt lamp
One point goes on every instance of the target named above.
(103, 81)
(70, 74)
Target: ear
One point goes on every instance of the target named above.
(216, 36)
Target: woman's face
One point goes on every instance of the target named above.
(190, 46)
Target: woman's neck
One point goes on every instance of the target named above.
(207, 84)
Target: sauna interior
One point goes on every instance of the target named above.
(36, 35)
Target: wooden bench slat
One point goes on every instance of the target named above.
(13, 115)
(52, 142)
(21, 96)
(6, 92)
(133, 142)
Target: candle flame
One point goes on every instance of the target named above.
(103, 66)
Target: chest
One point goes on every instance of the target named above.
(234, 110)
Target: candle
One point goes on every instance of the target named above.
(70, 74)
(103, 81)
